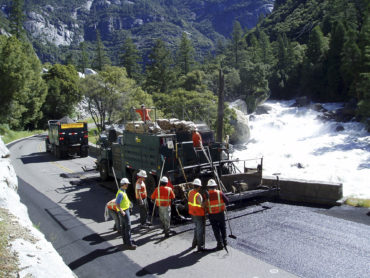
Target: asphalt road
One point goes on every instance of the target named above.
(273, 239)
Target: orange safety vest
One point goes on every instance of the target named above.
(197, 139)
(112, 205)
(144, 114)
(142, 192)
(195, 208)
(163, 196)
(215, 202)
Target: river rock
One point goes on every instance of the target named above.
(241, 127)
(301, 101)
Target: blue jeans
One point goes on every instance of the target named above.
(114, 216)
(218, 226)
(199, 231)
(126, 227)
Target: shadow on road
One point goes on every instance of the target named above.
(183, 259)
(39, 157)
(92, 256)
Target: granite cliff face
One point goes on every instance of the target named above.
(69, 22)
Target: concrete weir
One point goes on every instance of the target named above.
(307, 191)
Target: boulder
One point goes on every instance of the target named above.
(241, 127)
(262, 109)
(301, 101)
(339, 128)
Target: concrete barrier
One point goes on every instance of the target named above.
(307, 191)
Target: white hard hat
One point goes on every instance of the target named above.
(164, 179)
(124, 181)
(142, 174)
(197, 182)
(211, 183)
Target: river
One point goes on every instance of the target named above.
(296, 144)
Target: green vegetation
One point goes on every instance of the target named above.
(305, 47)
(8, 135)
(356, 202)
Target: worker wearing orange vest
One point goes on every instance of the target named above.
(163, 196)
(216, 205)
(197, 139)
(141, 194)
(144, 113)
(196, 210)
(111, 210)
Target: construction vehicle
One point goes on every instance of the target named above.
(157, 148)
(66, 137)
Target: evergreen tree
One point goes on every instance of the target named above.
(185, 56)
(236, 38)
(350, 62)
(335, 80)
(84, 59)
(17, 18)
(130, 59)
(101, 58)
(22, 91)
(160, 76)
(267, 56)
(314, 81)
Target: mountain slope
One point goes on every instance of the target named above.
(67, 23)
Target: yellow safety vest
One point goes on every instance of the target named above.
(125, 203)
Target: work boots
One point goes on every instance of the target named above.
(219, 246)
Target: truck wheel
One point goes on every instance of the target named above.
(47, 146)
(84, 152)
(103, 170)
(58, 152)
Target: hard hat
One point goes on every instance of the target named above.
(211, 183)
(142, 174)
(124, 181)
(164, 179)
(197, 182)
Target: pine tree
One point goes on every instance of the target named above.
(185, 56)
(22, 91)
(350, 61)
(335, 80)
(130, 59)
(236, 38)
(101, 58)
(160, 76)
(17, 18)
(84, 59)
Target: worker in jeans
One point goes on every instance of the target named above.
(123, 209)
(216, 205)
(196, 210)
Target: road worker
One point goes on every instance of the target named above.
(123, 209)
(197, 138)
(111, 210)
(144, 113)
(196, 210)
(216, 205)
(141, 194)
(163, 196)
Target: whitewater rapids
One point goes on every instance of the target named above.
(297, 144)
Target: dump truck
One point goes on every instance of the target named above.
(66, 137)
(165, 147)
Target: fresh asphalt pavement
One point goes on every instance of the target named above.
(272, 239)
